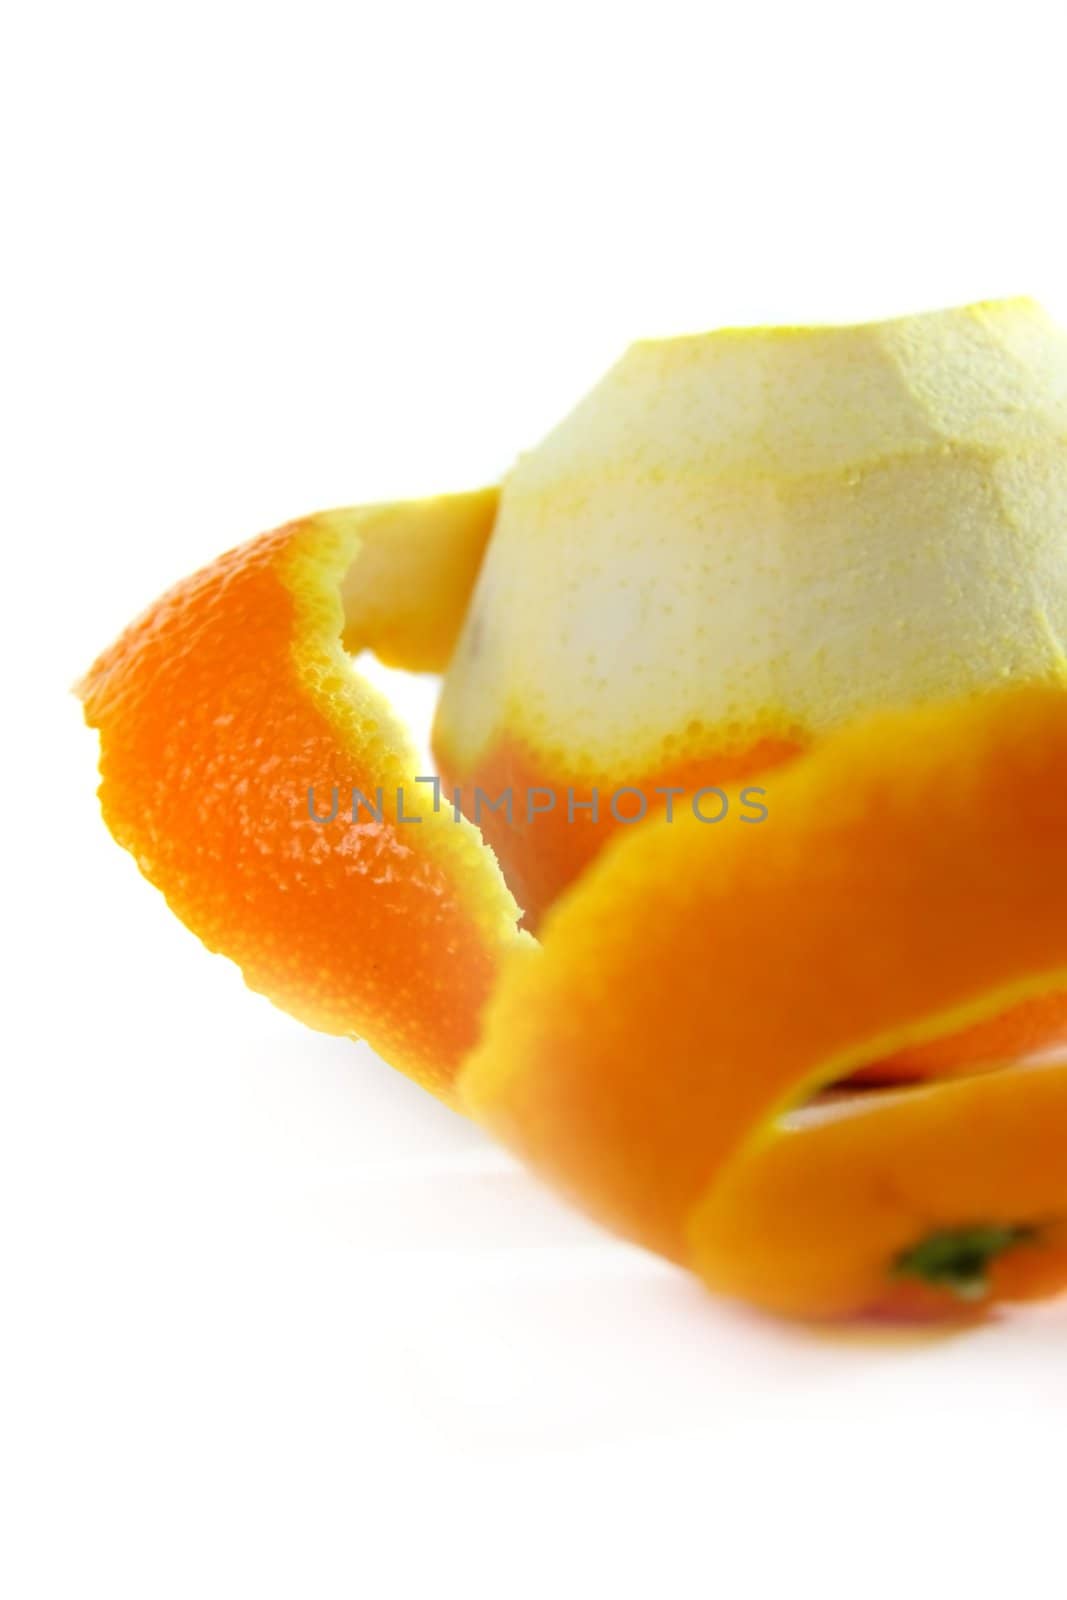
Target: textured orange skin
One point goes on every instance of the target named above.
(212, 731)
(697, 982)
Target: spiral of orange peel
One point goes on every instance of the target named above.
(832, 560)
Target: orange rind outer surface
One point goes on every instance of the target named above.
(700, 983)
(232, 699)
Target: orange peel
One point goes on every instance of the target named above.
(231, 707)
(692, 989)
(684, 1050)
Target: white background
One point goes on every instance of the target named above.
(276, 1323)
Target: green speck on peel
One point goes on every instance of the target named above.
(957, 1259)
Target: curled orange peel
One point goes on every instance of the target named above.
(232, 699)
(679, 1052)
(691, 991)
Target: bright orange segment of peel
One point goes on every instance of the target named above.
(899, 913)
(690, 989)
(542, 855)
(232, 698)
